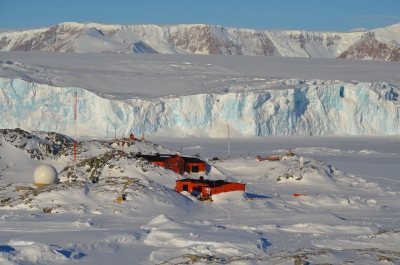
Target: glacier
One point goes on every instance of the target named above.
(299, 107)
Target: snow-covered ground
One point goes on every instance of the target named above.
(345, 217)
(348, 211)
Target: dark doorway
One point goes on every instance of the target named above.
(185, 187)
(195, 169)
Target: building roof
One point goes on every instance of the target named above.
(155, 158)
(163, 157)
(210, 183)
(192, 160)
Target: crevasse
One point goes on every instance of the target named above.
(361, 108)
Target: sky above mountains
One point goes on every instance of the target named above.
(339, 15)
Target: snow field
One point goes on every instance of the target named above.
(77, 221)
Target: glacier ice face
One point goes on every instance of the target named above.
(310, 108)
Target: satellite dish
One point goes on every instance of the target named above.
(45, 175)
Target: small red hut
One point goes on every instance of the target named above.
(206, 188)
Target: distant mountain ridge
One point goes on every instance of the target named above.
(378, 44)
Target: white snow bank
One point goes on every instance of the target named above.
(231, 196)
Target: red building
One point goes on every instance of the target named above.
(194, 165)
(177, 163)
(206, 188)
(171, 162)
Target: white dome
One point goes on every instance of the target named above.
(45, 174)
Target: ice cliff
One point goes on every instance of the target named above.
(305, 108)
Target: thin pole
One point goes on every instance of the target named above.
(229, 143)
(115, 131)
(122, 143)
(75, 143)
(142, 131)
(107, 139)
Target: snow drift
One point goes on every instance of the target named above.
(310, 108)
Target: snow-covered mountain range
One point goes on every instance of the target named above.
(377, 44)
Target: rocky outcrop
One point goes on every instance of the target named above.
(303, 37)
(369, 48)
(38, 145)
(199, 39)
(142, 47)
(59, 38)
(206, 39)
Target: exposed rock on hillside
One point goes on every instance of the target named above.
(38, 144)
(369, 48)
(59, 38)
(207, 39)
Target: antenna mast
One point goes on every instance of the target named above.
(75, 116)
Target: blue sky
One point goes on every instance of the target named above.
(327, 15)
